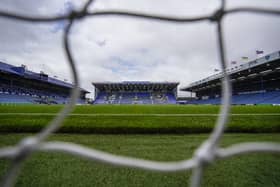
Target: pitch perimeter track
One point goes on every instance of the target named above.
(129, 114)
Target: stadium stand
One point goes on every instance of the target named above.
(135, 92)
(255, 82)
(19, 85)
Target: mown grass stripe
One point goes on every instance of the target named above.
(129, 114)
(140, 109)
(140, 119)
(58, 169)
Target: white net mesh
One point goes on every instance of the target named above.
(206, 154)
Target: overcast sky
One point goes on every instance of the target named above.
(125, 49)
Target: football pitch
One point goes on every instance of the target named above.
(163, 133)
(135, 119)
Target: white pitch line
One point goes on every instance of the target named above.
(129, 114)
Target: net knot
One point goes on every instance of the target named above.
(205, 153)
(77, 14)
(26, 146)
(218, 15)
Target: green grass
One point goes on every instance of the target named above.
(56, 169)
(140, 124)
(136, 109)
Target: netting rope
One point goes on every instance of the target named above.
(205, 154)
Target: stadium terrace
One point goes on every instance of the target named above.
(255, 82)
(135, 92)
(19, 85)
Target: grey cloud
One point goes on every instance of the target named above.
(159, 51)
